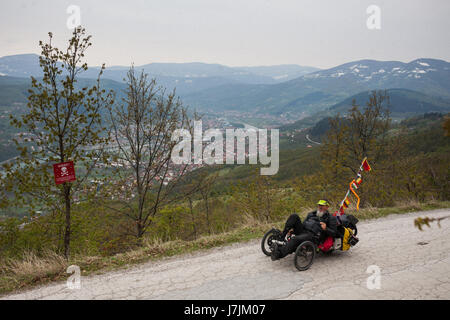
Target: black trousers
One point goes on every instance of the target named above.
(292, 244)
(293, 222)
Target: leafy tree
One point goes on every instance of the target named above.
(63, 123)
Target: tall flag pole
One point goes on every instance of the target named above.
(354, 184)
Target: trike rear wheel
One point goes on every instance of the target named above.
(266, 242)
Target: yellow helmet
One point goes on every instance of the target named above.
(323, 203)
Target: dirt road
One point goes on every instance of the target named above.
(411, 264)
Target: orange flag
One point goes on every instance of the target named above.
(352, 185)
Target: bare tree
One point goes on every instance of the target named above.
(142, 129)
(363, 133)
(368, 130)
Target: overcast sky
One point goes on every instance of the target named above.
(320, 33)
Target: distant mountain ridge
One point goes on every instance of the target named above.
(20, 65)
(216, 88)
(15, 89)
(400, 101)
(186, 77)
(321, 89)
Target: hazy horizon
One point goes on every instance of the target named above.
(240, 66)
(251, 33)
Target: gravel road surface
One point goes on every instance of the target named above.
(410, 264)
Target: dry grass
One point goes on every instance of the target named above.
(30, 264)
(31, 270)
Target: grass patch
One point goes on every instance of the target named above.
(32, 270)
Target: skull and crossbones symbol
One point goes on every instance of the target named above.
(64, 172)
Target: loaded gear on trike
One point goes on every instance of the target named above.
(320, 232)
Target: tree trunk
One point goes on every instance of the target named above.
(67, 230)
(207, 213)
(192, 218)
(139, 230)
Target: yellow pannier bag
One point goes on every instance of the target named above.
(347, 234)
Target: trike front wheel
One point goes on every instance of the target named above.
(304, 255)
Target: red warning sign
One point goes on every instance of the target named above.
(64, 172)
